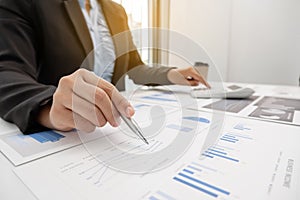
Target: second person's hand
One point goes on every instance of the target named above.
(186, 76)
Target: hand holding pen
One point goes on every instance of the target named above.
(84, 101)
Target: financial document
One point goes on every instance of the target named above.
(164, 95)
(269, 108)
(20, 148)
(278, 106)
(249, 160)
(7, 127)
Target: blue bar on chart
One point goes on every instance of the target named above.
(207, 155)
(221, 153)
(46, 136)
(193, 181)
(197, 180)
(179, 128)
(229, 138)
(204, 167)
(188, 171)
(194, 168)
(140, 106)
(222, 147)
(212, 155)
(235, 135)
(161, 196)
(197, 119)
(153, 198)
(217, 151)
(215, 147)
(224, 139)
(158, 98)
(195, 187)
(241, 127)
(165, 93)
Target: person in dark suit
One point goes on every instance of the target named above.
(42, 46)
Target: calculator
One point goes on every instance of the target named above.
(240, 93)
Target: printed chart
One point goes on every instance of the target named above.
(238, 160)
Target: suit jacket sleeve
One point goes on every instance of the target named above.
(20, 93)
(145, 75)
(137, 70)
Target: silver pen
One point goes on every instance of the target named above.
(131, 123)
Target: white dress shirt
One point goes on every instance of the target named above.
(104, 50)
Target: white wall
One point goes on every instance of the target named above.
(255, 41)
(207, 23)
(265, 41)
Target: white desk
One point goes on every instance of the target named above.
(13, 188)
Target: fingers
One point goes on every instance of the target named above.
(193, 82)
(74, 120)
(186, 76)
(178, 76)
(121, 104)
(84, 101)
(87, 110)
(198, 77)
(95, 95)
(105, 91)
(83, 124)
(64, 119)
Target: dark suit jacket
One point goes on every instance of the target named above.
(43, 40)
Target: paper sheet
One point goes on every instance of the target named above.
(20, 149)
(269, 108)
(270, 103)
(250, 160)
(7, 127)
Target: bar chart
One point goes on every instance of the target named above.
(160, 195)
(46, 136)
(164, 96)
(229, 143)
(191, 178)
(197, 119)
(28, 147)
(238, 167)
(179, 128)
(207, 177)
(241, 127)
(188, 176)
